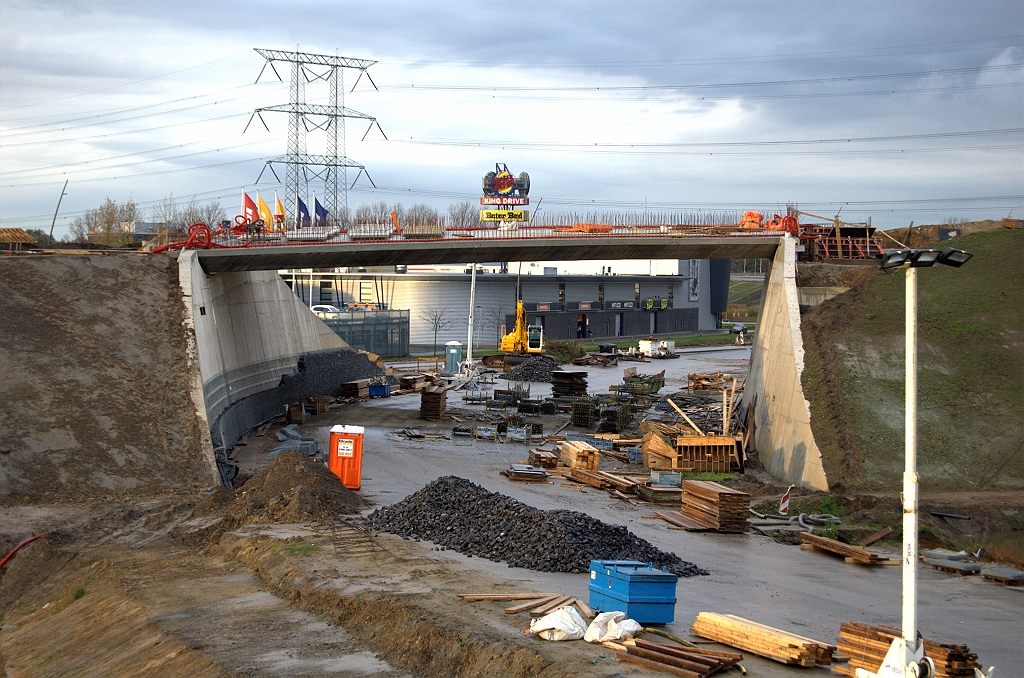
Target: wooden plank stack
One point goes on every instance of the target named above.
(360, 388)
(568, 383)
(544, 458)
(412, 382)
(852, 554)
(579, 455)
(433, 402)
(679, 661)
(784, 647)
(715, 506)
(867, 645)
(656, 452)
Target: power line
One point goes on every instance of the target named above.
(646, 88)
(555, 145)
(126, 84)
(117, 134)
(795, 56)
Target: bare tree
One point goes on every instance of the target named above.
(439, 318)
(462, 214)
(109, 224)
(374, 213)
(210, 213)
(166, 211)
(423, 215)
(494, 319)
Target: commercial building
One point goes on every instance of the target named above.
(688, 296)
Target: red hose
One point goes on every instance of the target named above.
(15, 549)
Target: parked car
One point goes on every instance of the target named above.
(324, 308)
(739, 327)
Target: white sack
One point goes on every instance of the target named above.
(620, 630)
(599, 627)
(562, 624)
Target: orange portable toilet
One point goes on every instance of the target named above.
(346, 455)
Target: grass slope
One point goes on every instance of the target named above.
(970, 373)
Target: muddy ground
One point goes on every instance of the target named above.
(256, 582)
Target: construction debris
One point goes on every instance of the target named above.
(866, 647)
(460, 515)
(851, 553)
(762, 640)
(597, 360)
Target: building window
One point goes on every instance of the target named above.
(671, 295)
(561, 293)
(636, 291)
(326, 292)
(600, 293)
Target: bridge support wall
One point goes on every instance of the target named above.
(258, 348)
(781, 417)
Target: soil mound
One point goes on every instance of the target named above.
(463, 516)
(293, 489)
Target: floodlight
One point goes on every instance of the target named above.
(894, 258)
(924, 258)
(954, 257)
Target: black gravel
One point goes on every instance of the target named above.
(535, 369)
(454, 513)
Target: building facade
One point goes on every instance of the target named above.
(567, 306)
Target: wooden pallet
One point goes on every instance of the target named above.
(1005, 581)
(852, 554)
(759, 639)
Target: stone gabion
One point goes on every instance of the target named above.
(457, 514)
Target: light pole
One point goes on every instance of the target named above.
(905, 658)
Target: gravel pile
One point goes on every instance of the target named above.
(460, 515)
(537, 369)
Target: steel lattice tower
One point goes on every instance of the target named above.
(332, 167)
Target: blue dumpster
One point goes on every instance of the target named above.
(643, 592)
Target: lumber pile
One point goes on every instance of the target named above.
(539, 604)
(433, 402)
(579, 455)
(759, 639)
(679, 661)
(360, 388)
(568, 383)
(851, 553)
(544, 458)
(412, 382)
(707, 381)
(715, 506)
(667, 430)
(867, 645)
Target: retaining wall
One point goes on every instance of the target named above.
(258, 348)
(781, 416)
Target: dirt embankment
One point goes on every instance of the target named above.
(94, 399)
(970, 374)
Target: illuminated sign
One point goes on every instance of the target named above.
(543, 307)
(502, 183)
(584, 305)
(504, 215)
(505, 200)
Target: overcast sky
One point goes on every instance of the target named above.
(905, 111)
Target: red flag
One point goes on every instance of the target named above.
(249, 209)
(784, 504)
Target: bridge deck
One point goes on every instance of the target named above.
(472, 250)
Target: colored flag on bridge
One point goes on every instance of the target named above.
(303, 216)
(320, 213)
(784, 504)
(249, 210)
(265, 215)
(279, 214)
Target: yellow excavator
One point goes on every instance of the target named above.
(519, 344)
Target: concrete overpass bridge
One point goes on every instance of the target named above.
(254, 337)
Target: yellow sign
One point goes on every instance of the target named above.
(504, 215)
